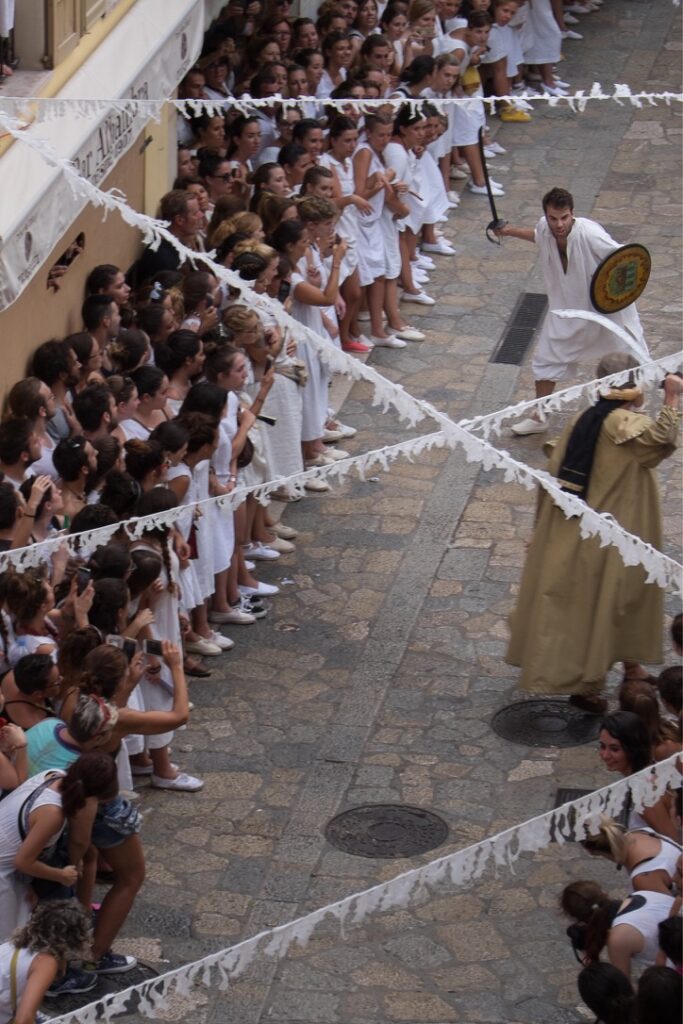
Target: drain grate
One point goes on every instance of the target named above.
(386, 830)
(545, 723)
(525, 320)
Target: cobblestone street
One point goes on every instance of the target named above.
(377, 672)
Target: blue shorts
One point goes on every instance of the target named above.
(115, 822)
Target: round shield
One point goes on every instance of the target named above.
(621, 278)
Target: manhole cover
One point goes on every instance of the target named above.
(544, 723)
(386, 830)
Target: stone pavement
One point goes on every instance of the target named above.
(376, 674)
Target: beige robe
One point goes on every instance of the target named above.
(580, 608)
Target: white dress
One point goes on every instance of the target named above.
(157, 694)
(407, 168)
(315, 393)
(15, 905)
(543, 38)
(135, 429)
(347, 225)
(372, 261)
(223, 520)
(191, 594)
(437, 200)
(282, 442)
(468, 117)
(563, 343)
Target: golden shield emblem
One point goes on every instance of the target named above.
(621, 278)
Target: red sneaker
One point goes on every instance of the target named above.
(355, 346)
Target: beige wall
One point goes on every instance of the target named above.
(39, 313)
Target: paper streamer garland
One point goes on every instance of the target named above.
(659, 568)
(44, 108)
(570, 822)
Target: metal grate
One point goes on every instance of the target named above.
(545, 723)
(526, 318)
(386, 830)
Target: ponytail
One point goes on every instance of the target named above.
(93, 774)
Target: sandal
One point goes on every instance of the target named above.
(194, 668)
(591, 703)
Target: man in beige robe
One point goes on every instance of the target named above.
(580, 609)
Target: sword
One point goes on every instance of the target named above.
(497, 223)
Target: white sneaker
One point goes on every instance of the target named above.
(562, 85)
(345, 430)
(318, 461)
(391, 341)
(282, 530)
(569, 19)
(424, 261)
(529, 426)
(480, 190)
(207, 648)
(410, 334)
(224, 642)
(458, 174)
(496, 147)
(453, 197)
(330, 436)
(364, 315)
(442, 247)
(419, 276)
(336, 454)
(420, 297)
(317, 486)
(260, 552)
(569, 33)
(495, 184)
(553, 90)
(237, 616)
(183, 783)
(261, 588)
(489, 153)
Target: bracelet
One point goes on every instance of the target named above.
(232, 477)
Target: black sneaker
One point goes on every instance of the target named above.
(254, 606)
(71, 983)
(112, 963)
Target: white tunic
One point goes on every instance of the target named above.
(564, 342)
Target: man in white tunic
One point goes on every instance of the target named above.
(571, 248)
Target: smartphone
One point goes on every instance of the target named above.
(152, 647)
(283, 291)
(124, 643)
(83, 577)
(270, 420)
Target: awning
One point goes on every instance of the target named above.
(145, 56)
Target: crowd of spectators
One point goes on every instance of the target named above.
(177, 390)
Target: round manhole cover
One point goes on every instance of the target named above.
(386, 830)
(543, 723)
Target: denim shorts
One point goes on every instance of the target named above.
(114, 822)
